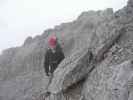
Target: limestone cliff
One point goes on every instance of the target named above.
(98, 62)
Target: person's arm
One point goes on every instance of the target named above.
(62, 56)
(46, 63)
(59, 49)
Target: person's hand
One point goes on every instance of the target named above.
(47, 74)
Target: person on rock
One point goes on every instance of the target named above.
(54, 55)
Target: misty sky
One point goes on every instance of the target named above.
(22, 18)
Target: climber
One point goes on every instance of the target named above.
(54, 55)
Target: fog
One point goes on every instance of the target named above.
(22, 18)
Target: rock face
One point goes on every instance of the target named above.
(98, 47)
(115, 83)
(77, 68)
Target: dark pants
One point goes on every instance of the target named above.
(53, 67)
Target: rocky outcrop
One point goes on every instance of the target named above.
(110, 83)
(98, 47)
(71, 70)
(112, 78)
(77, 66)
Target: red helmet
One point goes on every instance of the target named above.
(52, 41)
